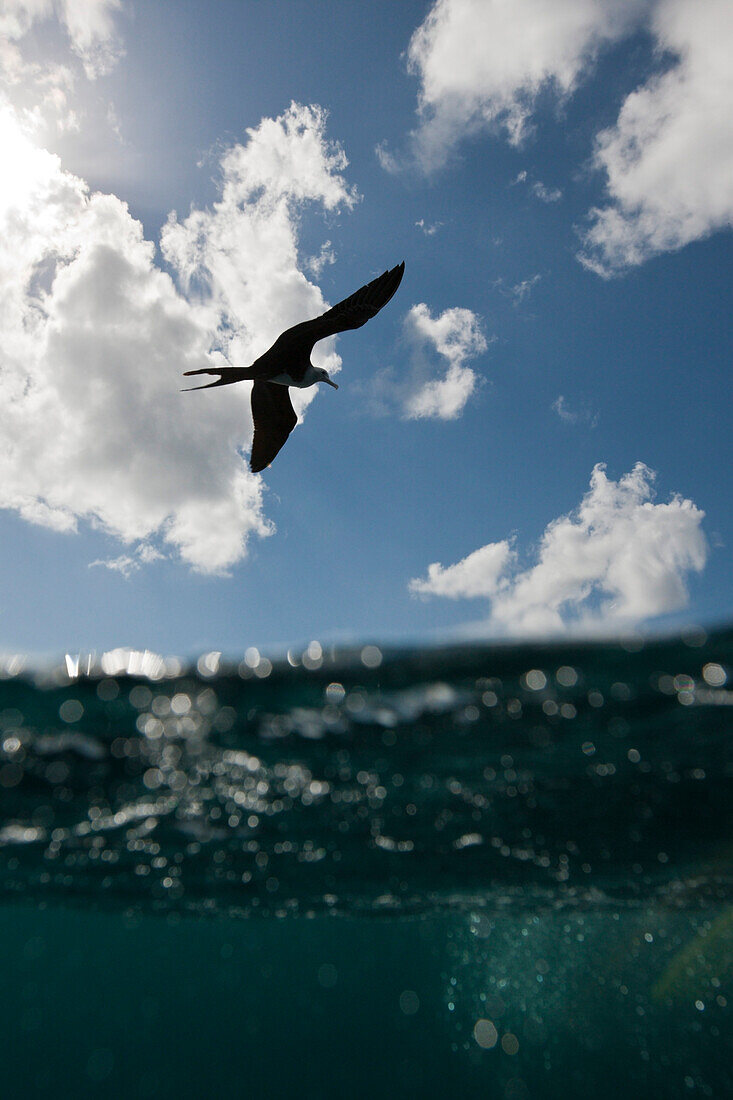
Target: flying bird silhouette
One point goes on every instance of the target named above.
(288, 363)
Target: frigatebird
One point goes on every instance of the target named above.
(288, 363)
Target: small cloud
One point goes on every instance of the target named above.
(127, 564)
(520, 291)
(429, 230)
(545, 194)
(571, 416)
(478, 574)
(438, 383)
(114, 123)
(537, 188)
(456, 336)
(387, 160)
(616, 561)
(124, 564)
(147, 553)
(563, 411)
(316, 264)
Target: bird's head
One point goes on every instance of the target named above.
(323, 376)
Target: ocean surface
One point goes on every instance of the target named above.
(503, 871)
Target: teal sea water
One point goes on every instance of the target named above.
(495, 871)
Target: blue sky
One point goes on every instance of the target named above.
(532, 438)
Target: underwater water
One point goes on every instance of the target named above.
(496, 870)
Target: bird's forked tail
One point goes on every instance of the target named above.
(227, 375)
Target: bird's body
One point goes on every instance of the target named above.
(287, 363)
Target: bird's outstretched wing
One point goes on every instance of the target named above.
(274, 419)
(353, 312)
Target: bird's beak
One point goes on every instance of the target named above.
(330, 383)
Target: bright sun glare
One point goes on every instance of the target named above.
(25, 163)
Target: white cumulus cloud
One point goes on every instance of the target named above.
(484, 62)
(618, 560)
(669, 157)
(436, 382)
(456, 336)
(94, 337)
(479, 574)
(667, 160)
(240, 258)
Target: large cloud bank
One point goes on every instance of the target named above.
(618, 560)
(95, 336)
